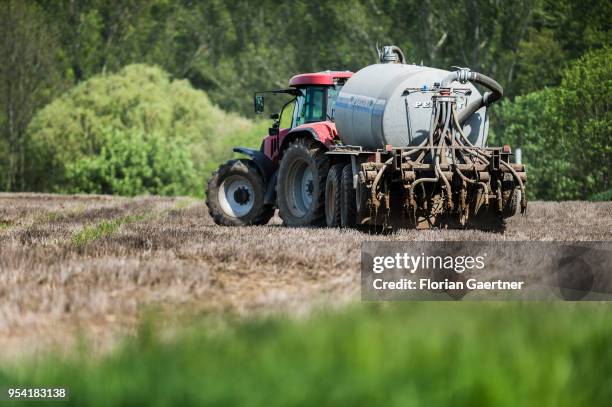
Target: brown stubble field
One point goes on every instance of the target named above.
(94, 265)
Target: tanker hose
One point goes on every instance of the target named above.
(434, 158)
(521, 185)
(434, 122)
(463, 75)
(439, 174)
(416, 149)
(471, 181)
(482, 157)
(496, 89)
(377, 179)
(460, 130)
(466, 140)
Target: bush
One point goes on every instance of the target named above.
(133, 132)
(602, 196)
(132, 163)
(565, 131)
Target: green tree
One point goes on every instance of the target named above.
(72, 137)
(586, 119)
(565, 131)
(540, 63)
(28, 79)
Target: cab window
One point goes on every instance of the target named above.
(287, 115)
(332, 95)
(311, 106)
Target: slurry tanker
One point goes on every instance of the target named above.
(392, 145)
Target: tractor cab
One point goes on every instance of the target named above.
(314, 99)
(313, 103)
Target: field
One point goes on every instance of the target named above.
(143, 301)
(93, 265)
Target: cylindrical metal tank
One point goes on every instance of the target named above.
(392, 104)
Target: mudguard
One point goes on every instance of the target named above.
(323, 132)
(267, 169)
(265, 165)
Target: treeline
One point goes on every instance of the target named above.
(565, 131)
(230, 49)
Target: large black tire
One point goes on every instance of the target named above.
(301, 184)
(348, 212)
(235, 195)
(333, 195)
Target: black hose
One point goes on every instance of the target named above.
(469, 110)
(463, 75)
(496, 89)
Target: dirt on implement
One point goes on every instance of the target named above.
(95, 264)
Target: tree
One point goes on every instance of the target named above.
(565, 131)
(28, 78)
(540, 63)
(585, 118)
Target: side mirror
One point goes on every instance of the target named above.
(258, 103)
(274, 116)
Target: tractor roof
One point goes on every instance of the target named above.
(319, 78)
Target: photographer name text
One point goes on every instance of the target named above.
(410, 264)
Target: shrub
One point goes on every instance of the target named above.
(133, 132)
(601, 196)
(132, 164)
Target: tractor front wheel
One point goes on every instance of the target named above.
(235, 195)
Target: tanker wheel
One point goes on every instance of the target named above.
(333, 195)
(348, 214)
(235, 195)
(513, 204)
(301, 184)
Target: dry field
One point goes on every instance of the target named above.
(94, 264)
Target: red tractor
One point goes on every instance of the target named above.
(290, 169)
(394, 144)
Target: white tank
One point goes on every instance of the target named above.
(390, 104)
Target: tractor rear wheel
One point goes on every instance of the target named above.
(333, 195)
(301, 184)
(235, 195)
(348, 213)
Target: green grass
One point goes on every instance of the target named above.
(100, 230)
(410, 354)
